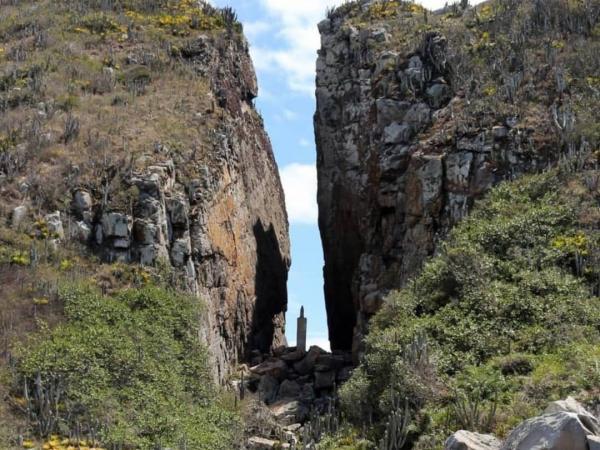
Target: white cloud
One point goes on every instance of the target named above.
(293, 26)
(300, 186)
(288, 114)
(254, 29)
(304, 143)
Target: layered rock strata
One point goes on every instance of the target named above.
(402, 155)
(202, 200)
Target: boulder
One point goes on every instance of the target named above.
(293, 356)
(288, 412)
(274, 367)
(267, 389)
(289, 389)
(259, 443)
(18, 216)
(82, 202)
(328, 362)
(307, 364)
(438, 95)
(324, 380)
(467, 440)
(556, 431)
(55, 226)
(568, 405)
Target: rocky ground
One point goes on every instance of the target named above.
(289, 391)
(565, 425)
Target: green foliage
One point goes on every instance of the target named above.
(499, 306)
(132, 369)
(99, 23)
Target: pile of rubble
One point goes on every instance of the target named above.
(293, 384)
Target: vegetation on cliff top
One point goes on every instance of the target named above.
(506, 317)
(91, 90)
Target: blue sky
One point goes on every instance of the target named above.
(284, 40)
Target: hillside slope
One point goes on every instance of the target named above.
(135, 173)
(132, 123)
(504, 320)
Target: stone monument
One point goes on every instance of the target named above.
(301, 332)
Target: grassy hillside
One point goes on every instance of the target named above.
(125, 370)
(91, 89)
(503, 320)
(92, 354)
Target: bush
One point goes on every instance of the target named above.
(128, 370)
(505, 291)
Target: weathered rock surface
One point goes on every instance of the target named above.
(211, 210)
(259, 443)
(292, 383)
(467, 440)
(398, 164)
(556, 431)
(566, 425)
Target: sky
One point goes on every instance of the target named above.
(284, 40)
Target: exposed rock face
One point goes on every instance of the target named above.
(211, 210)
(398, 164)
(225, 232)
(293, 382)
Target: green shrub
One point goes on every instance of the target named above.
(131, 370)
(502, 298)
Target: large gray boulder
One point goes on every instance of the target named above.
(555, 431)
(307, 364)
(594, 442)
(82, 203)
(260, 443)
(267, 389)
(568, 405)
(467, 440)
(274, 367)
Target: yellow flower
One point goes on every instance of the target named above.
(28, 444)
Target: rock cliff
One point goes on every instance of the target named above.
(418, 115)
(137, 135)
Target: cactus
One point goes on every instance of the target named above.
(396, 429)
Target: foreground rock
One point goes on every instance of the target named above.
(466, 440)
(401, 156)
(556, 431)
(566, 425)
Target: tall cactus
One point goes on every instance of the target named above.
(396, 429)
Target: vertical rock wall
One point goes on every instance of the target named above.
(218, 221)
(398, 164)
